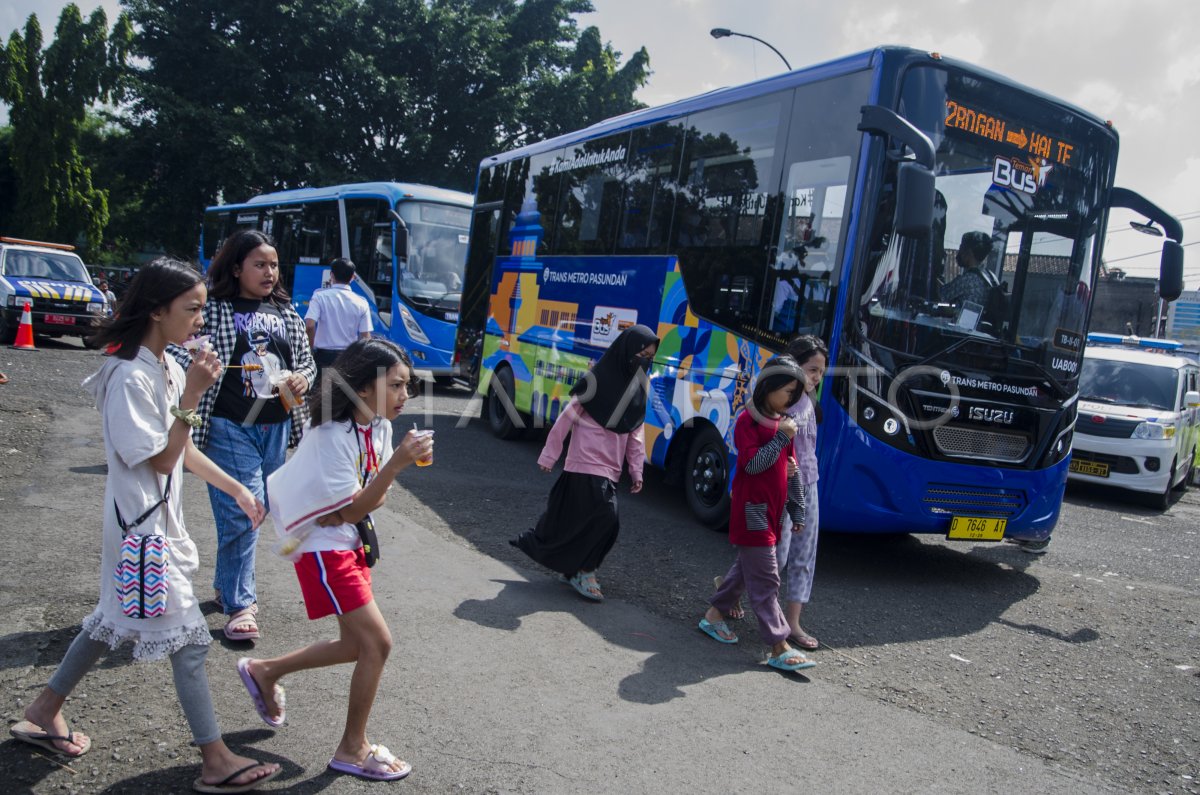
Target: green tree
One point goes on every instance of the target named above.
(49, 93)
(237, 97)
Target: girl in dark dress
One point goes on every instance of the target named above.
(604, 419)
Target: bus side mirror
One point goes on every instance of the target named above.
(400, 242)
(1170, 271)
(914, 200)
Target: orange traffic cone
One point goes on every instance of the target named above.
(24, 341)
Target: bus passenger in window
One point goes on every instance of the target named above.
(766, 484)
(604, 418)
(970, 284)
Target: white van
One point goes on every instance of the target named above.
(1139, 411)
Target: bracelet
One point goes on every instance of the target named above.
(188, 416)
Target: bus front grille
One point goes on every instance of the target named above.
(960, 442)
(948, 499)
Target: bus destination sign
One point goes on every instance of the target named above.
(986, 125)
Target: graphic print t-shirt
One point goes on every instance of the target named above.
(261, 340)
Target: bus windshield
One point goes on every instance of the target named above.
(1011, 256)
(437, 253)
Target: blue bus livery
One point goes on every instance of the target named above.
(408, 241)
(842, 200)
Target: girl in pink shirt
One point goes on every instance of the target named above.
(604, 418)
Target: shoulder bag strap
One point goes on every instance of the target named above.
(162, 500)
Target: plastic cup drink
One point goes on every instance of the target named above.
(427, 460)
(277, 378)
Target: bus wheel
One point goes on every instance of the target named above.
(706, 479)
(502, 413)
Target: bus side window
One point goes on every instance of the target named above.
(537, 176)
(726, 193)
(369, 228)
(590, 198)
(321, 236)
(820, 166)
(653, 172)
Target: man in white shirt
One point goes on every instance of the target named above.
(337, 316)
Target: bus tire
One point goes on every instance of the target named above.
(706, 478)
(502, 414)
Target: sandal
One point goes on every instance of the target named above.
(738, 611)
(790, 660)
(244, 619)
(226, 784)
(718, 631)
(805, 641)
(260, 703)
(376, 767)
(30, 733)
(586, 586)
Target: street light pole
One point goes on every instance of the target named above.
(720, 33)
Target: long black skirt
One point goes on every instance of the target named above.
(579, 527)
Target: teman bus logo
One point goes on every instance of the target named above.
(1025, 176)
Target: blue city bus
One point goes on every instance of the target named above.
(830, 200)
(408, 242)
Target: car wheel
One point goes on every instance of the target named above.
(502, 414)
(706, 478)
(1182, 485)
(1162, 501)
(8, 332)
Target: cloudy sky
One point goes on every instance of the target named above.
(1137, 64)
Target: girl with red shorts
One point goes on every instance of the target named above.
(321, 502)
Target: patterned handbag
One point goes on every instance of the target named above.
(141, 575)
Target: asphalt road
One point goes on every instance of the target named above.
(947, 667)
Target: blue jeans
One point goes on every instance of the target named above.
(248, 453)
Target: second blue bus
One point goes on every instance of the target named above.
(408, 242)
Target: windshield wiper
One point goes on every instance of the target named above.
(1094, 399)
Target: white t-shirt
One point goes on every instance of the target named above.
(341, 316)
(328, 469)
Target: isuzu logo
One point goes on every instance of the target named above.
(1097, 418)
(994, 416)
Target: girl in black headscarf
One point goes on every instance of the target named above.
(604, 420)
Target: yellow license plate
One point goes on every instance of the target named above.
(977, 528)
(1088, 468)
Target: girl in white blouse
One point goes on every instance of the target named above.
(147, 406)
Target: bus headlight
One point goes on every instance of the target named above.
(1153, 430)
(412, 327)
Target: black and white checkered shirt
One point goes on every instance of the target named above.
(218, 323)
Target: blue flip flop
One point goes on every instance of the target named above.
(790, 660)
(714, 629)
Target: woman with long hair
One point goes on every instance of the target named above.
(256, 411)
(147, 407)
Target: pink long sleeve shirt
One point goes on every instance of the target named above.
(594, 450)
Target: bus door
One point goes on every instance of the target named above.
(477, 288)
